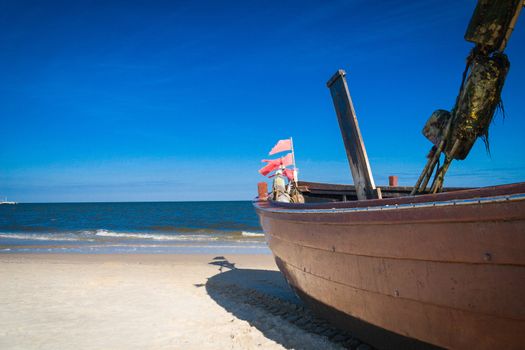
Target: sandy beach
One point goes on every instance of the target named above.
(155, 301)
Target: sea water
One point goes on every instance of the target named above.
(150, 227)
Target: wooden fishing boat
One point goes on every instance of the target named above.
(447, 269)
(414, 267)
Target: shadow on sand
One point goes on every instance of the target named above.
(264, 299)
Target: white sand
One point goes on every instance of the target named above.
(131, 302)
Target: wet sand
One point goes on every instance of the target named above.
(157, 301)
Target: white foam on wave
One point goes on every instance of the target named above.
(39, 237)
(108, 236)
(156, 237)
(252, 234)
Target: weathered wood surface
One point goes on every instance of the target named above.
(355, 147)
(492, 23)
(318, 192)
(450, 275)
(315, 193)
(450, 193)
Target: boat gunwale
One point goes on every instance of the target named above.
(460, 202)
(492, 194)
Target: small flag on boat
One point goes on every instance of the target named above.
(284, 161)
(274, 164)
(271, 166)
(289, 173)
(281, 146)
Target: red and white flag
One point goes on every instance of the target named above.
(287, 160)
(281, 146)
(274, 164)
(289, 173)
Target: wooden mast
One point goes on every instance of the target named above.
(355, 147)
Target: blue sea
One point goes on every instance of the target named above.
(151, 227)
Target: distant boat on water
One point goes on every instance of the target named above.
(5, 201)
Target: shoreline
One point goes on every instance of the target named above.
(246, 260)
(187, 246)
(203, 249)
(160, 301)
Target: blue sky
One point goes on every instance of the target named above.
(179, 100)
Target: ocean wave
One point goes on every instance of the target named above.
(40, 237)
(215, 228)
(252, 234)
(156, 236)
(176, 229)
(108, 236)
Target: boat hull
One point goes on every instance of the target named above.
(449, 271)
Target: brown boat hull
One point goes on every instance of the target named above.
(449, 271)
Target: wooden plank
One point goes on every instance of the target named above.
(484, 288)
(355, 147)
(443, 326)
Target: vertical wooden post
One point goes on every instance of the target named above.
(355, 148)
(392, 180)
(262, 189)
